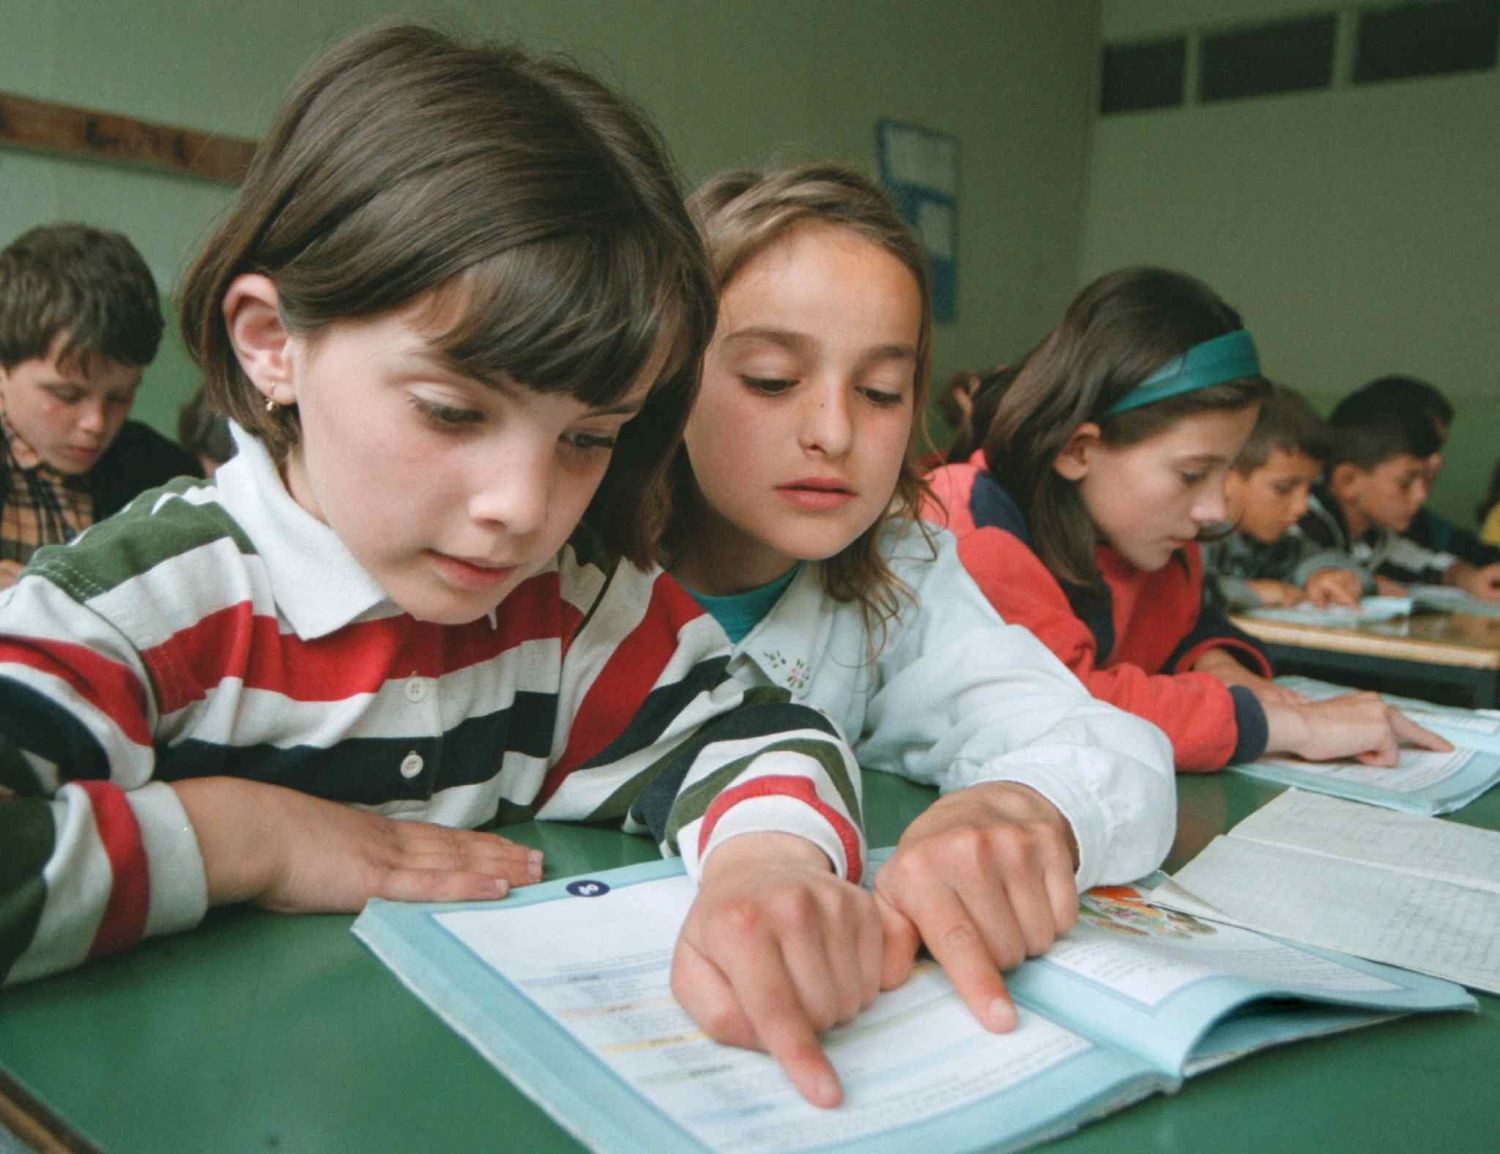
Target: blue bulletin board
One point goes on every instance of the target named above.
(919, 169)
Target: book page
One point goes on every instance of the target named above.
(1422, 846)
(1434, 927)
(1369, 611)
(600, 967)
(1414, 771)
(1146, 954)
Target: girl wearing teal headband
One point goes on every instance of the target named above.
(1080, 513)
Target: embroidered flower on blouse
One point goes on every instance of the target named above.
(794, 673)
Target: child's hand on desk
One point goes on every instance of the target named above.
(1226, 669)
(985, 875)
(1274, 594)
(1483, 583)
(1356, 725)
(296, 853)
(776, 949)
(10, 571)
(1385, 587)
(1333, 587)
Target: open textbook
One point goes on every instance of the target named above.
(564, 987)
(1372, 610)
(1411, 891)
(1421, 781)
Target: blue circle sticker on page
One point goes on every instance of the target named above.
(587, 888)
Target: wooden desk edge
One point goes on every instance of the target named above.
(1339, 640)
(37, 1127)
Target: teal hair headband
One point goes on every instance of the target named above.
(1227, 358)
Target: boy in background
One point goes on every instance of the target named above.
(1266, 493)
(79, 322)
(1428, 528)
(1379, 467)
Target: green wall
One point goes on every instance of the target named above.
(1355, 228)
(731, 82)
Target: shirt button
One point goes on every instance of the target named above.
(411, 764)
(416, 690)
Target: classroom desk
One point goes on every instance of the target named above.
(1455, 650)
(280, 1034)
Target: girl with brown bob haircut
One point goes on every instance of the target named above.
(1080, 514)
(796, 527)
(457, 309)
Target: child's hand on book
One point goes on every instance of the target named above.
(985, 875)
(1483, 583)
(296, 853)
(776, 949)
(1333, 587)
(1274, 594)
(1358, 726)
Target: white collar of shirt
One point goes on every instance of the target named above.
(318, 585)
(787, 642)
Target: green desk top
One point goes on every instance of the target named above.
(279, 1034)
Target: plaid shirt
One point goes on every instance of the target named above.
(42, 506)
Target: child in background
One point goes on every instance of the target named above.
(1079, 515)
(458, 302)
(204, 433)
(1380, 460)
(1488, 513)
(79, 322)
(1428, 528)
(1265, 494)
(795, 525)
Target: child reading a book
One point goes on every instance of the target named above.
(1265, 493)
(795, 525)
(79, 323)
(1078, 517)
(457, 307)
(1380, 465)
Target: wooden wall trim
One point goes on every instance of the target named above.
(45, 126)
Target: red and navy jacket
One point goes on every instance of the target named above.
(1132, 642)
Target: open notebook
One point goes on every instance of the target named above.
(563, 986)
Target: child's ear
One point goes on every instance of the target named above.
(260, 340)
(1072, 460)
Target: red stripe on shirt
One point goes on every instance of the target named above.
(621, 687)
(783, 785)
(234, 642)
(107, 685)
(124, 920)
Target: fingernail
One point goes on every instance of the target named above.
(1001, 1015)
(827, 1090)
(502, 887)
(534, 864)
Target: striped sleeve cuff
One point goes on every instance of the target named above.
(777, 802)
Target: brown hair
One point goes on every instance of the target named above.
(89, 286)
(1118, 330)
(1286, 422)
(740, 214)
(536, 210)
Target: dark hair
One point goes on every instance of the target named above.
(1117, 332)
(1365, 430)
(986, 397)
(1286, 422)
(203, 432)
(742, 213)
(88, 286)
(537, 211)
(1409, 394)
